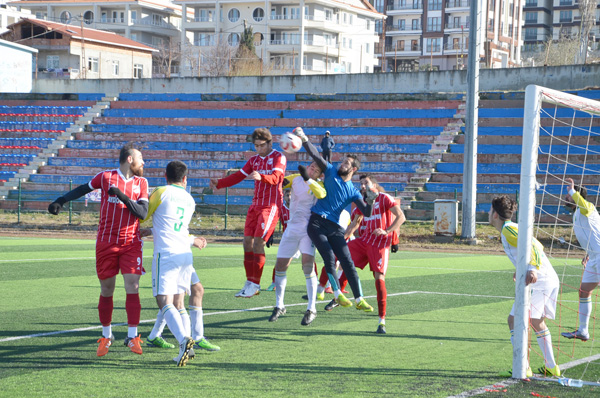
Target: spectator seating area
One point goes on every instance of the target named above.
(210, 133)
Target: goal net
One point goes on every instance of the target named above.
(561, 140)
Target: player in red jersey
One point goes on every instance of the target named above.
(377, 234)
(267, 169)
(123, 204)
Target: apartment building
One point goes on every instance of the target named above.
(297, 37)
(434, 34)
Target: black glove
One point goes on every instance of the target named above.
(370, 196)
(116, 191)
(270, 241)
(56, 206)
(394, 248)
(303, 172)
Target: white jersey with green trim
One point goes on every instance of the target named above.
(586, 224)
(171, 208)
(546, 275)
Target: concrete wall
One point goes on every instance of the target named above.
(559, 78)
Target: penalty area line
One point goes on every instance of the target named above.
(45, 334)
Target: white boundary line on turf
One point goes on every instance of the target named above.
(44, 334)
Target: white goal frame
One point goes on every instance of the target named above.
(534, 97)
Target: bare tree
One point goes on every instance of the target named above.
(169, 55)
(587, 10)
(216, 60)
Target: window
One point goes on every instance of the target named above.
(414, 45)
(138, 71)
(566, 16)
(531, 17)
(157, 41)
(402, 24)
(345, 18)
(52, 62)
(233, 15)
(204, 15)
(433, 45)
(258, 14)
(566, 2)
(203, 39)
(134, 36)
(530, 34)
(455, 43)
(434, 4)
(65, 17)
(133, 15)
(115, 68)
(400, 45)
(344, 42)
(104, 16)
(88, 17)
(157, 20)
(349, 43)
(258, 39)
(434, 24)
(416, 24)
(368, 25)
(118, 17)
(351, 19)
(92, 64)
(233, 39)
(328, 15)
(455, 23)
(349, 67)
(367, 48)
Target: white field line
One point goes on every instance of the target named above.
(44, 334)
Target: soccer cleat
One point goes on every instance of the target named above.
(363, 305)
(343, 301)
(184, 351)
(576, 335)
(243, 290)
(320, 296)
(104, 344)
(271, 287)
(159, 342)
(206, 345)
(309, 316)
(545, 371)
(134, 344)
(381, 329)
(252, 290)
(508, 373)
(277, 312)
(329, 290)
(332, 304)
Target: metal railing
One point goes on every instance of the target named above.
(400, 7)
(458, 3)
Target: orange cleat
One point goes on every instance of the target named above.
(134, 344)
(104, 344)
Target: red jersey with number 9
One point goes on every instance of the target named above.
(117, 224)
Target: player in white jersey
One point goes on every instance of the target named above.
(171, 208)
(586, 225)
(541, 279)
(305, 192)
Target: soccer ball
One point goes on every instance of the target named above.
(290, 143)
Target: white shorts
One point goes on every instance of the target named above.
(172, 273)
(294, 240)
(543, 303)
(591, 273)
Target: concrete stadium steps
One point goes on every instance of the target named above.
(24, 141)
(38, 118)
(562, 131)
(544, 122)
(287, 105)
(515, 158)
(29, 134)
(243, 138)
(16, 150)
(501, 140)
(28, 110)
(574, 170)
(291, 123)
(55, 103)
(553, 149)
(33, 126)
(53, 97)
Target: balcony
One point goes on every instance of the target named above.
(157, 24)
(405, 7)
(452, 48)
(457, 26)
(403, 29)
(457, 4)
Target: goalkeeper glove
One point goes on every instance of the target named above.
(394, 248)
(300, 134)
(56, 206)
(303, 172)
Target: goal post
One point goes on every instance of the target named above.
(535, 96)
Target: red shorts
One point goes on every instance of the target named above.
(112, 258)
(261, 221)
(363, 253)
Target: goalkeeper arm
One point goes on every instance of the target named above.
(310, 148)
(56, 206)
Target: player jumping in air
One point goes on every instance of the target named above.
(323, 228)
(541, 279)
(267, 169)
(123, 204)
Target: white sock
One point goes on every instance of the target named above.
(159, 326)
(336, 293)
(185, 320)
(132, 332)
(196, 316)
(585, 309)
(311, 290)
(107, 331)
(174, 322)
(545, 342)
(382, 321)
(280, 283)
